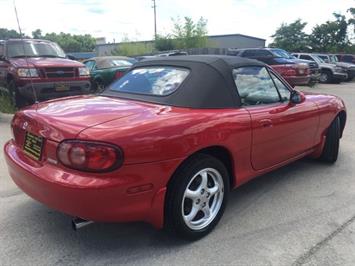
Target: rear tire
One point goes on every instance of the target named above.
(331, 146)
(196, 197)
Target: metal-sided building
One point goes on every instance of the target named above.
(235, 41)
(217, 44)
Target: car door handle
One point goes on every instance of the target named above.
(265, 122)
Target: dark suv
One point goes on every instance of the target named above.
(348, 58)
(29, 67)
(295, 71)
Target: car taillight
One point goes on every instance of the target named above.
(89, 156)
(119, 74)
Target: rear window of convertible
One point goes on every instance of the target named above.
(159, 81)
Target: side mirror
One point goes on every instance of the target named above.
(2, 58)
(297, 97)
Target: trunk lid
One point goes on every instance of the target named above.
(61, 119)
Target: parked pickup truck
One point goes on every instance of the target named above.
(40, 67)
(329, 72)
(293, 70)
(332, 59)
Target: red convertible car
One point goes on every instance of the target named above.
(167, 142)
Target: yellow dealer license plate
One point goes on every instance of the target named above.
(33, 146)
(61, 87)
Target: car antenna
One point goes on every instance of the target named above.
(26, 58)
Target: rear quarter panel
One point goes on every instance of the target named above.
(329, 107)
(170, 133)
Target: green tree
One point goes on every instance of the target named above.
(69, 42)
(188, 34)
(128, 47)
(164, 43)
(330, 36)
(291, 37)
(37, 34)
(351, 25)
(351, 21)
(8, 34)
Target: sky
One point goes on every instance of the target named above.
(118, 19)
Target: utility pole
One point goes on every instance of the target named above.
(155, 19)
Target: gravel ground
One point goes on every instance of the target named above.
(303, 213)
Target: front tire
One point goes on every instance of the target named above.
(331, 147)
(325, 77)
(196, 197)
(16, 98)
(97, 86)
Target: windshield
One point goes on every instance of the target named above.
(34, 49)
(318, 59)
(333, 59)
(323, 57)
(282, 53)
(116, 63)
(159, 81)
(121, 62)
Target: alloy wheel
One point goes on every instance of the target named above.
(202, 199)
(324, 77)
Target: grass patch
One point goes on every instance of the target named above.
(5, 103)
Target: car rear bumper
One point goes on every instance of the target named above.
(297, 80)
(47, 90)
(111, 197)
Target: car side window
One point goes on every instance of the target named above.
(306, 57)
(249, 53)
(263, 53)
(285, 93)
(255, 86)
(90, 64)
(347, 58)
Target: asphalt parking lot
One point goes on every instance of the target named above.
(301, 214)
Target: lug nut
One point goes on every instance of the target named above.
(198, 201)
(202, 191)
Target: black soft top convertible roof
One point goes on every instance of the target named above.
(210, 83)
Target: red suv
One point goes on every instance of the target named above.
(293, 70)
(40, 67)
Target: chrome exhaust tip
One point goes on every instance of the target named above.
(78, 223)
